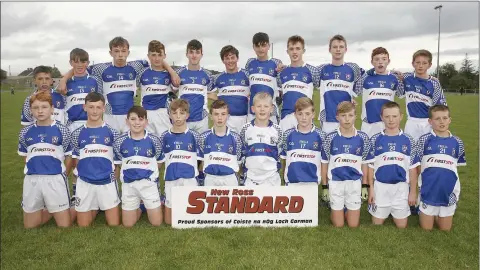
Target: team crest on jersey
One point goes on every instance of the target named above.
(305, 78)
(93, 89)
(107, 140)
(58, 104)
(130, 75)
(315, 145)
(204, 81)
(190, 147)
(167, 81)
(359, 149)
(392, 85)
(453, 152)
(272, 140)
(404, 148)
(149, 152)
(347, 76)
(54, 139)
(271, 72)
(230, 149)
(382, 85)
(243, 82)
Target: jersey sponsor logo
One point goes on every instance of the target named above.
(337, 85)
(78, 99)
(257, 79)
(393, 159)
(415, 97)
(439, 161)
(299, 155)
(345, 160)
(43, 149)
(180, 157)
(225, 91)
(261, 150)
(95, 151)
(193, 89)
(154, 89)
(294, 86)
(126, 85)
(137, 162)
(376, 93)
(225, 159)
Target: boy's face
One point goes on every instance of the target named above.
(295, 51)
(156, 58)
(261, 50)
(391, 117)
(262, 109)
(346, 119)
(41, 110)
(136, 124)
(231, 61)
(380, 62)
(219, 117)
(338, 48)
(120, 54)
(43, 81)
(305, 117)
(194, 56)
(440, 121)
(179, 117)
(421, 64)
(79, 67)
(94, 110)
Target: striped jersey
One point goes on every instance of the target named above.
(421, 94)
(77, 89)
(59, 102)
(233, 88)
(262, 76)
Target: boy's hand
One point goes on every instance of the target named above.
(412, 198)
(371, 196)
(365, 192)
(175, 80)
(280, 67)
(397, 73)
(354, 102)
(62, 87)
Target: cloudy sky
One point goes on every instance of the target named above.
(44, 33)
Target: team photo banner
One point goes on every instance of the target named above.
(227, 207)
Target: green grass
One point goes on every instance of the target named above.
(144, 247)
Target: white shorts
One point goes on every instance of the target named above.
(315, 184)
(373, 128)
(328, 127)
(416, 127)
(93, 197)
(345, 194)
(390, 199)
(288, 122)
(271, 181)
(140, 190)
(158, 121)
(224, 180)
(45, 191)
(199, 126)
(440, 211)
(177, 183)
(236, 122)
(76, 125)
(117, 122)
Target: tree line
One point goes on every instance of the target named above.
(453, 79)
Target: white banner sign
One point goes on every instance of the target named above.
(226, 207)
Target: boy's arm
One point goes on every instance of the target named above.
(412, 196)
(27, 118)
(438, 96)
(62, 84)
(173, 74)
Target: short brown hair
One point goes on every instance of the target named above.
(438, 108)
(218, 104)
(41, 96)
(380, 50)
(179, 104)
(118, 42)
(229, 49)
(78, 54)
(303, 103)
(42, 69)
(390, 105)
(94, 97)
(294, 39)
(156, 46)
(139, 111)
(345, 106)
(422, 52)
(339, 38)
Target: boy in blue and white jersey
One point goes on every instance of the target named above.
(196, 87)
(377, 89)
(222, 149)
(77, 89)
(232, 86)
(337, 83)
(440, 153)
(138, 153)
(263, 143)
(345, 168)
(297, 80)
(262, 74)
(93, 152)
(303, 147)
(42, 76)
(393, 174)
(46, 145)
(181, 153)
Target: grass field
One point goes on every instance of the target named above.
(144, 247)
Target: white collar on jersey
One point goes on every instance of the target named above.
(311, 130)
(434, 134)
(54, 122)
(375, 73)
(339, 133)
(270, 123)
(73, 77)
(200, 69)
(304, 64)
(415, 76)
(399, 133)
(185, 132)
(130, 136)
(226, 133)
(85, 125)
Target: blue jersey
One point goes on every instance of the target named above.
(421, 94)
(118, 84)
(139, 158)
(155, 88)
(233, 88)
(221, 154)
(93, 148)
(297, 82)
(337, 84)
(45, 148)
(194, 87)
(59, 101)
(77, 89)
(377, 90)
(262, 77)
(180, 152)
(439, 159)
(345, 155)
(393, 157)
(303, 153)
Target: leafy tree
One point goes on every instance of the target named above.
(56, 73)
(467, 69)
(446, 72)
(3, 75)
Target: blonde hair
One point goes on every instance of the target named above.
(345, 107)
(303, 103)
(262, 96)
